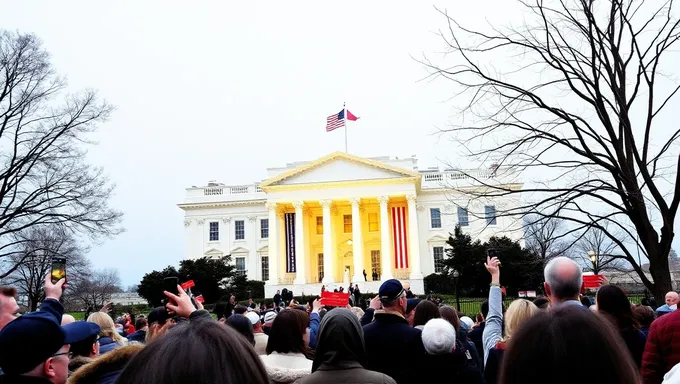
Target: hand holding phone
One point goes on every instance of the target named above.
(58, 269)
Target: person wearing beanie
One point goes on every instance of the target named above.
(390, 340)
(439, 342)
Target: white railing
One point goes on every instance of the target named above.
(443, 178)
(230, 190)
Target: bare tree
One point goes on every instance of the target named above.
(545, 236)
(596, 251)
(580, 103)
(40, 245)
(44, 178)
(96, 290)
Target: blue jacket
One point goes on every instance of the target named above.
(314, 320)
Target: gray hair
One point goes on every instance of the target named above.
(564, 284)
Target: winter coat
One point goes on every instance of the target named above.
(492, 368)
(286, 367)
(635, 341)
(138, 337)
(105, 368)
(662, 351)
(341, 354)
(475, 336)
(450, 368)
(107, 344)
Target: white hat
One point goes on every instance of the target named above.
(439, 337)
(467, 321)
(269, 316)
(253, 317)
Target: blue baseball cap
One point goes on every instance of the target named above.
(390, 290)
(31, 339)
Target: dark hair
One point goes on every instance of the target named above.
(613, 303)
(286, 335)
(8, 291)
(84, 347)
(485, 308)
(451, 315)
(424, 312)
(240, 309)
(644, 314)
(141, 323)
(220, 309)
(549, 345)
(541, 302)
(243, 326)
(201, 351)
(585, 301)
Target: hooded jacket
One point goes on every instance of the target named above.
(341, 354)
(105, 368)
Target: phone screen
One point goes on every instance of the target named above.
(170, 284)
(58, 269)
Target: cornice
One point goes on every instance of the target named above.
(220, 204)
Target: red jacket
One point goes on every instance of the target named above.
(662, 350)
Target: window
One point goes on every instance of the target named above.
(347, 221)
(435, 218)
(265, 268)
(240, 266)
(319, 225)
(438, 254)
(239, 230)
(490, 214)
(375, 265)
(264, 228)
(319, 267)
(214, 231)
(463, 219)
(373, 224)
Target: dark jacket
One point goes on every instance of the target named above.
(492, 369)
(635, 341)
(18, 379)
(105, 368)
(138, 336)
(106, 345)
(341, 355)
(367, 317)
(662, 350)
(394, 348)
(475, 336)
(467, 347)
(449, 368)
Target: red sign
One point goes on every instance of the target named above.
(188, 284)
(334, 299)
(592, 281)
(200, 299)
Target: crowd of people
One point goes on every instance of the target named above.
(560, 338)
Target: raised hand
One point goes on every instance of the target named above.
(493, 265)
(180, 304)
(54, 290)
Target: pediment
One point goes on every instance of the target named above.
(437, 238)
(213, 252)
(339, 167)
(240, 250)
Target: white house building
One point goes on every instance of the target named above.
(342, 219)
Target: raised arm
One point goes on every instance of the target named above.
(493, 331)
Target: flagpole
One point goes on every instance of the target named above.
(344, 107)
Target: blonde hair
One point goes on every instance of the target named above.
(518, 312)
(108, 328)
(358, 312)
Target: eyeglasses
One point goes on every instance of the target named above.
(62, 354)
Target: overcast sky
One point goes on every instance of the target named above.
(209, 90)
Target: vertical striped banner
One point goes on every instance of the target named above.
(399, 236)
(289, 219)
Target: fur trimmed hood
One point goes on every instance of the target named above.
(286, 375)
(105, 367)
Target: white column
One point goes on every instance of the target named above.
(357, 241)
(253, 265)
(385, 248)
(300, 257)
(328, 254)
(273, 248)
(414, 242)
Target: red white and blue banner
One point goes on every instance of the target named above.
(399, 230)
(289, 219)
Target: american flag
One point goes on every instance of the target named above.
(335, 121)
(399, 236)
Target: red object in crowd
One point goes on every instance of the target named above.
(129, 328)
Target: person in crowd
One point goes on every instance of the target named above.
(585, 301)
(553, 346)
(662, 350)
(142, 326)
(466, 323)
(563, 282)
(109, 339)
(34, 348)
(288, 357)
(464, 345)
(612, 302)
(340, 354)
(242, 325)
(258, 334)
(105, 369)
(314, 320)
(424, 312)
(365, 275)
(357, 293)
(251, 304)
(277, 298)
(477, 331)
(645, 316)
(9, 309)
(268, 322)
(200, 352)
(439, 341)
(85, 350)
(390, 339)
(672, 300)
(407, 291)
(542, 302)
(158, 323)
(222, 310)
(357, 311)
(518, 313)
(411, 305)
(240, 309)
(67, 319)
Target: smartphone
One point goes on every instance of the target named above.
(170, 284)
(58, 269)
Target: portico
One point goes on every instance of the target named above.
(327, 230)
